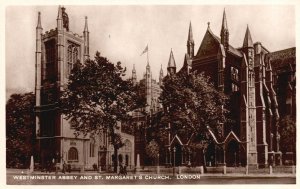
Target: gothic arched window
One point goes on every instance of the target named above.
(72, 58)
(69, 59)
(75, 54)
(73, 154)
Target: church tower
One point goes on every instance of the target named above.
(171, 64)
(57, 50)
(224, 32)
(190, 43)
(248, 50)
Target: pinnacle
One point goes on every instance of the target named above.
(171, 63)
(248, 39)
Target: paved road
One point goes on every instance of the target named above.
(97, 179)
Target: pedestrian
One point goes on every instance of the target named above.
(69, 168)
(271, 160)
(64, 167)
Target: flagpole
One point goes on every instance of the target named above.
(147, 54)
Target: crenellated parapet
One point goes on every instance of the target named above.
(50, 33)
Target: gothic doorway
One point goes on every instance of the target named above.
(232, 153)
(210, 155)
(102, 160)
(177, 154)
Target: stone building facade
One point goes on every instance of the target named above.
(261, 88)
(56, 52)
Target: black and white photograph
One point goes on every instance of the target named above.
(150, 94)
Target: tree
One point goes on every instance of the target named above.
(287, 131)
(20, 129)
(152, 149)
(191, 104)
(97, 98)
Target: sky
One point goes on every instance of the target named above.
(121, 33)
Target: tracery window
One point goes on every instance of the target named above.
(73, 56)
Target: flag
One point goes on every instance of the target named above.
(146, 50)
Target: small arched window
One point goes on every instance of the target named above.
(73, 154)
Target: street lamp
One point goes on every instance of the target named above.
(174, 150)
(234, 159)
(158, 170)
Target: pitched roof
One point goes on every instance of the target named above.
(176, 138)
(229, 137)
(231, 49)
(282, 58)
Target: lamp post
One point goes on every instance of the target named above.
(234, 159)
(56, 161)
(174, 150)
(158, 170)
(189, 152)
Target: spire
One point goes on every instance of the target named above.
(86, 24)
(224, 21)
(190, 42)
(224, 32)
(39, 25)
(161, 70)
(161, 75)
(190, 37)
(171, 63)
(248, 39)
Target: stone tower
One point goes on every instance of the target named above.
(57, 51)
